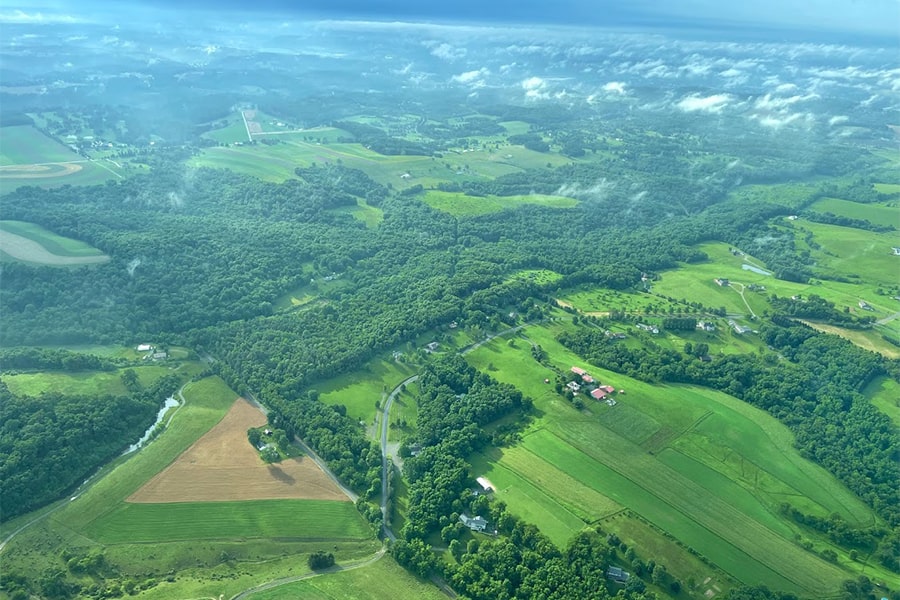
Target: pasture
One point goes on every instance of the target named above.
(182, 521)
(539, 277)
(89, 383)
(31, 243)
(694, 282)
(459, 204)
(382, 579)
(360, 390)
(850, 252)
(884, 393)
(702, 466)
(880, 214)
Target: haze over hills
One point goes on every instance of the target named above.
(570, 301)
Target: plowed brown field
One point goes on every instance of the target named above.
(222, 466)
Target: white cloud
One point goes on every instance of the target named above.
(614, 87)
(779, 120)
(447, 52)
(770, 102)
(785, 87)
(710, 104)
(37, 18)
(533, 83)
(473, 78)
(731, 73)
(837, 120)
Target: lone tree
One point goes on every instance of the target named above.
(320, 560)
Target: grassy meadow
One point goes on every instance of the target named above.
(699, 465)
(879, 213)
(884, 393)
(361, 389)
(89, 383)
(382, 579)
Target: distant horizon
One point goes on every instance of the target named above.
(871, 20)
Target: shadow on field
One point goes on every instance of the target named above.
(280, 475)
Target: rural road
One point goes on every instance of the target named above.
(888, 319)
(385, 463)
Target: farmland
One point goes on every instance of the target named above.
(702, 466)
(209, 470)
(192, 537)
(30, 243)
(284, 519)
(24, 144)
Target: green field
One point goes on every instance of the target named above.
(880, 214)
(854, 252)
(540, 277)
(705, 467)
(283, 519)
(89, 383)
(25, 145)
(459, 204)
(361, 389)
(861, 252)
(383, 579)
(885, 394)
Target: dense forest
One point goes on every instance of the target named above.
(50, 443)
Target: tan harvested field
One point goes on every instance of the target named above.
(223, 466)
(21, 248)
(39, 171)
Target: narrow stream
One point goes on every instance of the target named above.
(171, 402)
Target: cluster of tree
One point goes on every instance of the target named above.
(455, 402)
(521, 562)
(320, 560)
(877, 540)
(340, 178)
(833, 219)
(816, 394)
(817, 308)
(679, 323)
(532, 141)
(50, 443)
(49, 359)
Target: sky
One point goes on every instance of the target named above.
(863, 17)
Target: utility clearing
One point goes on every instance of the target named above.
(223, 466)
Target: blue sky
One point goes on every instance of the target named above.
(864, 17)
